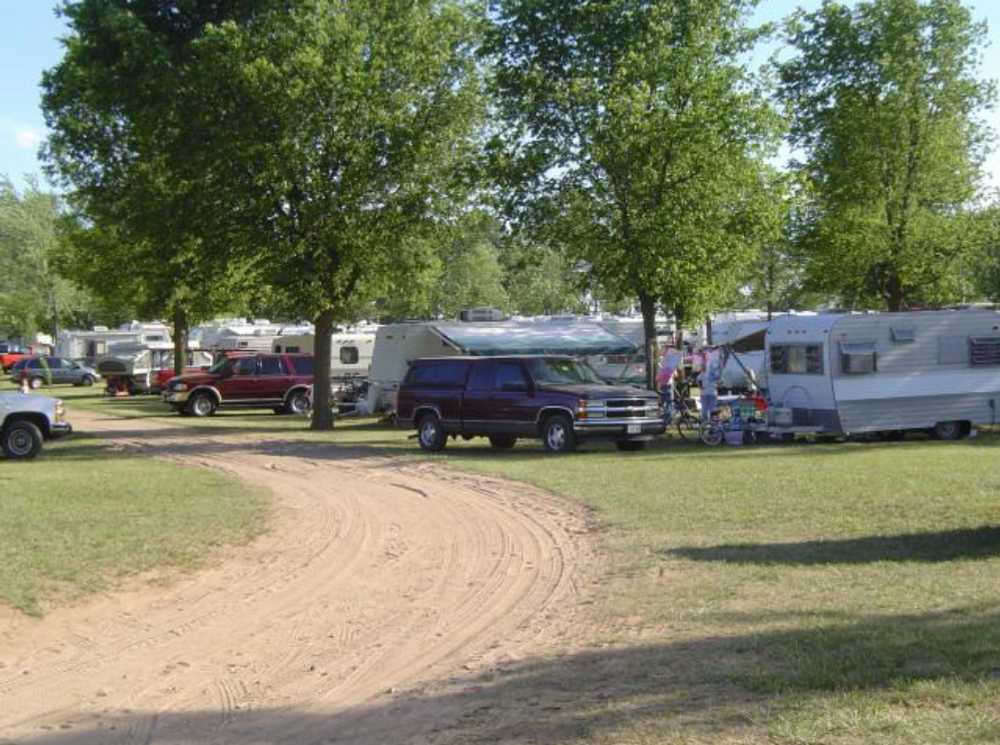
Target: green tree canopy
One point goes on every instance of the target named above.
(33, 297)
(328, 141)
(887, 104)
(633, 137)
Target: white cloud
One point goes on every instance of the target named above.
(28, 138)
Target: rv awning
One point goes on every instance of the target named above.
(574, 339)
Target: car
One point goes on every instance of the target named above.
(277, 381)
(560, 400)
(10, 354)
(42, 370)
(26, 421)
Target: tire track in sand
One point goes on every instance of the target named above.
(377, 581)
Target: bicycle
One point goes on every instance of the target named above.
(682, 415)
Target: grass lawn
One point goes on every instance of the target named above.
(807, 593)
(82, 517)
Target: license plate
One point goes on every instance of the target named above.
(634, 429)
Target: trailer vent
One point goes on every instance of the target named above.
(985, 351)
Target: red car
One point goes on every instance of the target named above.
(277, 381)
(11, 354)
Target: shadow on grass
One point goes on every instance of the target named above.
(708, 689)
(948, 545)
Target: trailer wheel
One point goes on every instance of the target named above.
(431, 434)
(22, 440)
(948, 430)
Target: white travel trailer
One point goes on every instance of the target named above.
(238, 334)
(937, 371)
(398, 344)
(99, 341)
(350, 353)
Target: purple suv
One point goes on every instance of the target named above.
(558, 399)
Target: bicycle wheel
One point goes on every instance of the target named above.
(688, 427)
(712, 433)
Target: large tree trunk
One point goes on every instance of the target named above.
(180, 339)
(648, 307)
(894, 294)
(322, 414)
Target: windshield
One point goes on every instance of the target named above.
(221, 366)
(562, 372)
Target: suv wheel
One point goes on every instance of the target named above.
(503, 442)
(298, 403)
(35, 383)
(202, 404)
(431, 434)
(558, 435)
(22, 440)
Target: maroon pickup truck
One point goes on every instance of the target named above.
(278, 381)
(558, 399)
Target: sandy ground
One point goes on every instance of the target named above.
(381, 601)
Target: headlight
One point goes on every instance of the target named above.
(589, 409)
(60, 411)
(177, 387)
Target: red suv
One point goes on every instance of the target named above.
(278, 381)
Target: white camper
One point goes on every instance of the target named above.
(99, 341)
(396, 345)
(135, 366)
(937, 371)
(350, 353)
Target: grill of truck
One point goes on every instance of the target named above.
(629, 408)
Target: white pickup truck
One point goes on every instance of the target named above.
(26, 421)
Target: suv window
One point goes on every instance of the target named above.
(482, 376)
(303, 365)
(271, 366)
(245, 366)
(443, 374)
(510, 377)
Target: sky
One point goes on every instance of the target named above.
(29, 44)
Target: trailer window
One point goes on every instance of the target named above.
(858, 358)
(797, 359)
(902, 335)
(985, 351)
(290, 350)
(349, 355)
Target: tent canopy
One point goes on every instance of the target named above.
(512, 337)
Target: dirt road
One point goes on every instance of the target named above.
(380, 595)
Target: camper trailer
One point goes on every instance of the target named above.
(350, 352)
(239, 334)
(397, 345)
(937, 371)
(89, 345)
(136, 367)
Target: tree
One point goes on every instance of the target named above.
(886, 105)
(111, 104)
(328, 141)
(540, 279)
(633, 137)
(34, 297)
